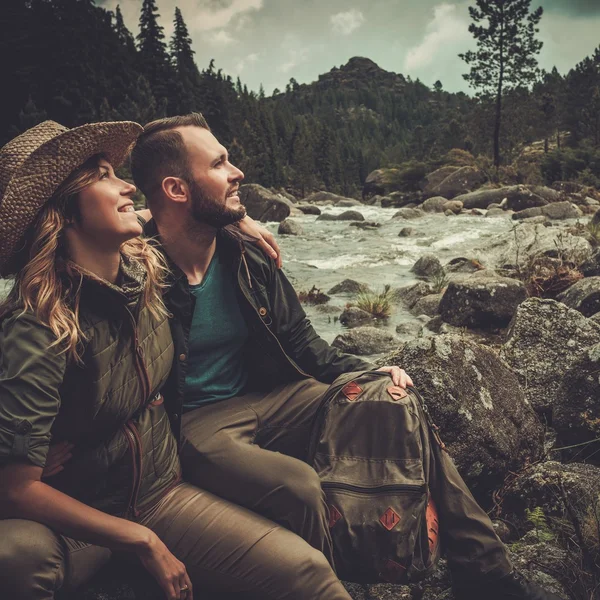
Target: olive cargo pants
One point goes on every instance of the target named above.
(250, 450)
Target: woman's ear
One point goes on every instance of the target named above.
(175, 189)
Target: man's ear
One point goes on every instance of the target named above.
(175, 189)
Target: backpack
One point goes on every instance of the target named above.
(370, 447)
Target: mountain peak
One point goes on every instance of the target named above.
(359, 72)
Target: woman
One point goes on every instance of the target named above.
(85, 347)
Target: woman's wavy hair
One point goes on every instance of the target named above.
(48, 284)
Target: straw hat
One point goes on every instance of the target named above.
(35, 163)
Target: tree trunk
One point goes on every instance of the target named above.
(498, 122)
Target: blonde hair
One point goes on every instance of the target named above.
(49, 285)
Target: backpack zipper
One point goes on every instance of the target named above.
(395, 487)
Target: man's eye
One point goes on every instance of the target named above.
(104, 175)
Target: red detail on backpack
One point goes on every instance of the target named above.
(433, 525)
(396, 392)
(334, 515)
(392, 572)
(389, 519)
(352, 391)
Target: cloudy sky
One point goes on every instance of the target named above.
(270, 41)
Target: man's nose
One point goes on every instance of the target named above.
(236, 174)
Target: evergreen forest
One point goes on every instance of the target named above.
(76, 62)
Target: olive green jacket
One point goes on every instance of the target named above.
(125, 457)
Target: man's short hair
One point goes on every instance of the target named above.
(160, 152)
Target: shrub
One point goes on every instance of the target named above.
(378, 305)
(459, 158)
(439, 281)
(313, 296)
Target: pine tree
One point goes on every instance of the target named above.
(123, 33)
(188, 76)
(154, 58)
(506, 51)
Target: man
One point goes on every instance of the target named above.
(251, 371)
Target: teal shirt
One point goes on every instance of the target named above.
(216, 365)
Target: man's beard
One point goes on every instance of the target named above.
(212, 211)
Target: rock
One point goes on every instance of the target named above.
(328, 309)
(408, 232)
(409, 213)
(591, 201)
(495, 212)
(348, 202)
(366, 225)
(569, 187)
(494, 205)
(400, 199)
(409, 329)
(290, 227)
(482, 198)
(540, 220)
(347, 215)
(365, 340)
(527, 240)
(520, 197)
(427, 266)
(502, 530)
(309, 209)
(576, 417)
(434, 179)
(380, 182)
(540, 485)
(459, 182)
(321, 197)
(548, 194)
(463, 265)
(544, 340)
(354, 317)
(583, 296)
(482, 303)
(409, 294)
(349, 286)
(454, 206)
(428, 305)
(562, 210)
(476, 212)
(263, 205)
(591, 266)
(476, 401)
(527, 213)
(435, 204)
(372, 200)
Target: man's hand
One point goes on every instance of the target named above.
(266, 240)
(398, 375)
(58, 455)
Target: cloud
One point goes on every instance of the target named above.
(247, 61)
(344, 23)
(295, 57)
(570, 7)
(213, 15)
(221, 38)
(445, 29)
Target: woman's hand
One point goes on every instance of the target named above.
(169, 572)
(58, 455)
(266, 240)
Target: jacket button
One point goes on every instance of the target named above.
(175, 416)
(23, 427)
(262, 311)
(182, 357)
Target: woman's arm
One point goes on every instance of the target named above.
(24, 496)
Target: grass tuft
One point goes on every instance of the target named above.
(377, 304)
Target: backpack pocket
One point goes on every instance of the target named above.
(375, 529)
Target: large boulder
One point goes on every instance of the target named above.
(520, 197)
(591, 266)
(435, 204)
(328, 197)
(379, 182)
(474, 398)
(527, 240)
(482, 198)
(576, 416)
(583, 296)
(262, 204)
(347, 215)
(309, 209)
(461, 181)
(434, 179)
(366, 340)
(290, 227)
(409, 294)
(486, 302)
(528, 213)
(562, 210)
(349, 286)
(427, 266)
(428, 305)
(355, 317)
(545, 339)
(400, 199)
(408, 213)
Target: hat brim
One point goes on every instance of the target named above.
(40, 175)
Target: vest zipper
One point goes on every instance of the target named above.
(135, 442)
(292, 363)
